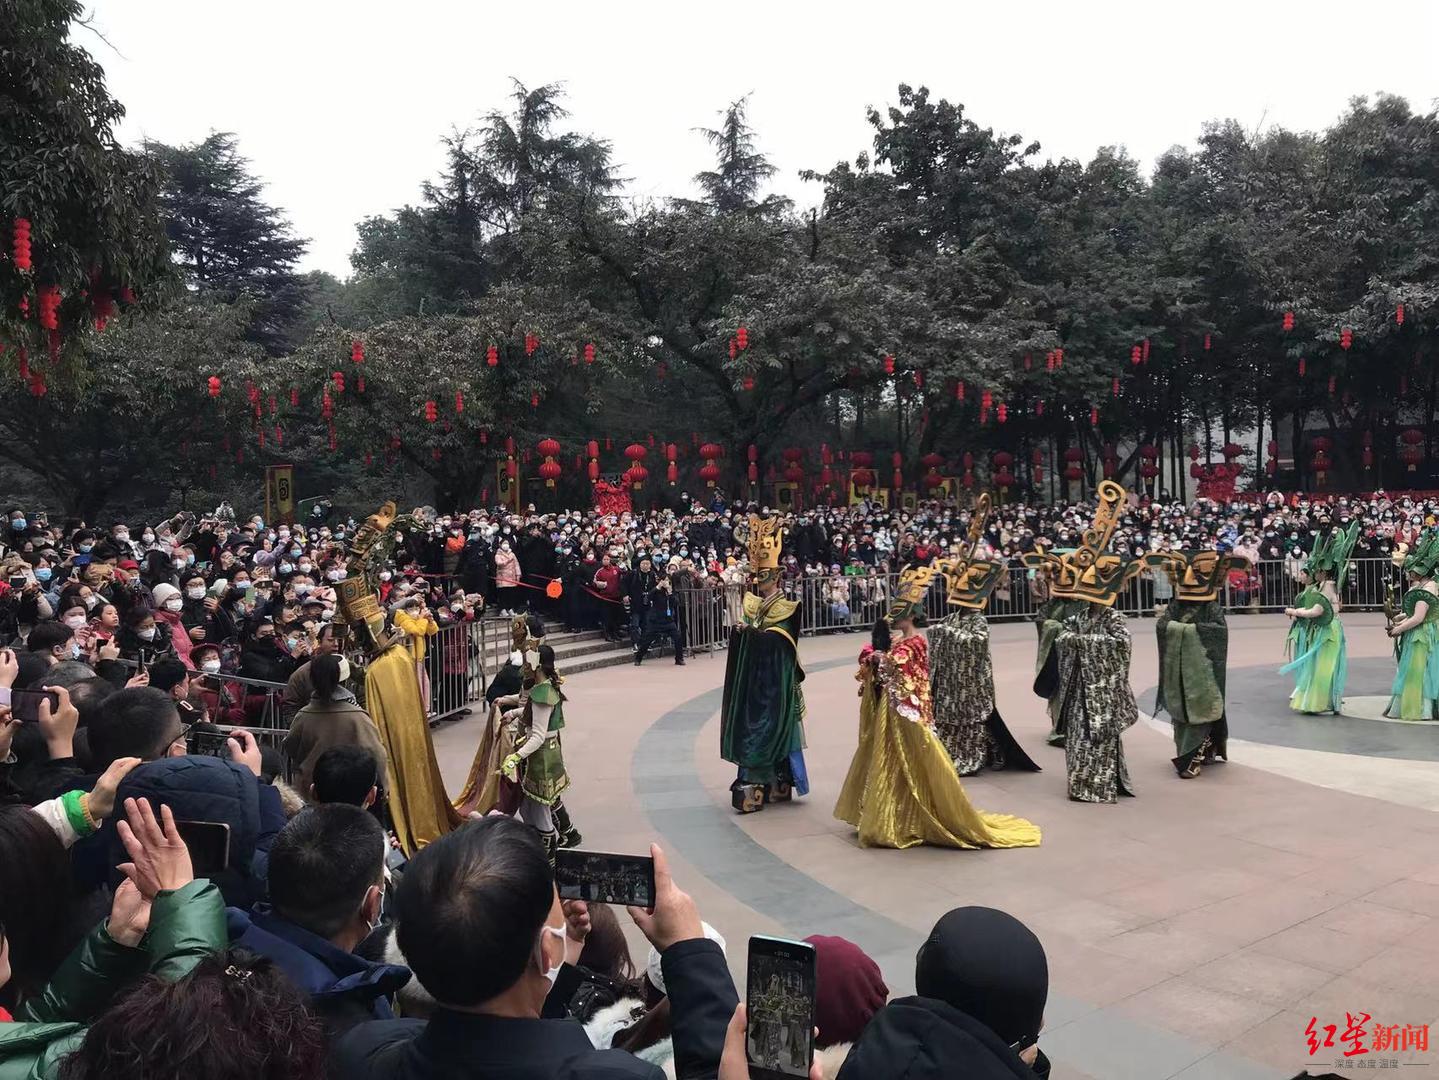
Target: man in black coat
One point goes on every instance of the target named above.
(482, 928)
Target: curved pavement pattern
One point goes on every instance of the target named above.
(1192, 932)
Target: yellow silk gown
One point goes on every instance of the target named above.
(902, 789)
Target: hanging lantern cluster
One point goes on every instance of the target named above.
(1272, 465)
(1346, 339)
(959, 390)
(338, 378)
(672, 470)
(532, 344)
(636, 474)
(1413, 452)
(1288, 321)
(861, 473)
(1073, 469)
(357, 352)
(741, 338)
(49, 296)
(550, 469)
(459, 402)
(826, 459)
(1136, 355)
(1399, 315)
(20, 245)
(1320, 462)
(933, 463)
(1003, 477)
(592, 448)
(710, 471)
(213, 383)
(432, 411)
(492, 356)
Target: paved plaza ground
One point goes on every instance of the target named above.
(1192, 932)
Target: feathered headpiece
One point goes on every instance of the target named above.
(1424, 559)
(1330, 554)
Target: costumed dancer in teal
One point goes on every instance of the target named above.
(1415, 630)
(762, 715)
(1316, 638)
(1193, 656)
(1048, 621)
(538, 761)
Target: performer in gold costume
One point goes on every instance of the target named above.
(902, 788)
(420, 811)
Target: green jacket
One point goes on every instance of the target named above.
(185, 926)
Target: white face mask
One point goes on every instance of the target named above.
(149, 538)
(551, 973)
(197, 593)
(210, 667)
(91, 601)
(74, 622)
(385, 575)
(174, 604)
(147, 634)
(335, 575)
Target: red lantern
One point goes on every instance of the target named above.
(357, 352)
(1002, 413)
(733, 348)
(889, 365)
(338, 378)
(532, 343)
(1134, 355)
(918, 379)
(459, 402)
(748, 382)
(214, 384)
(1399, 315)
(550, 472)
(589, 352)
(1271, 467)
(49, 296)
(711, 472)
(1346, 338)
(1058, 359)
(1073, 473)
(535, 400)
(492, 356)
(1039, 407)
(512, 469)
(21, 244)
(1413, 452)
(1094, 416)
(432, 411)
(1302, 366)
(1149, 470)
(1206, 342)
(1114, 387)
(294, 397)
(1049, 361)
(967, 480)
(959, 390)
(986, 400)
(1146, 350)
(742, 338)
(1288, 321)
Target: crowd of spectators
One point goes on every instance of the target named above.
(303, 927)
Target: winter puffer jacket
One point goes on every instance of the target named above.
(185, 925)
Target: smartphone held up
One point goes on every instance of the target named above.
(600, 878)
(779, 1037)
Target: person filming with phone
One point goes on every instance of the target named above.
(483, 929)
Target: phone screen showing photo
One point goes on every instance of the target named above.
(599, 878)
(779, 1038)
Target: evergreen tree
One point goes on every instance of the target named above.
(227, 240)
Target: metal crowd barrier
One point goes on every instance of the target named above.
(847, 603)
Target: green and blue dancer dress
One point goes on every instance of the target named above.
(1416, 683)
(1318, 658)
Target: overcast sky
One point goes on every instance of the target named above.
(341, 106)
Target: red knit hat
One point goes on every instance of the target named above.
(849, 989)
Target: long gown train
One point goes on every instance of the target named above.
(902, 788)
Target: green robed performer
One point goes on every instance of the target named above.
(762, 715)
(1414, 626)
(1193, 654)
